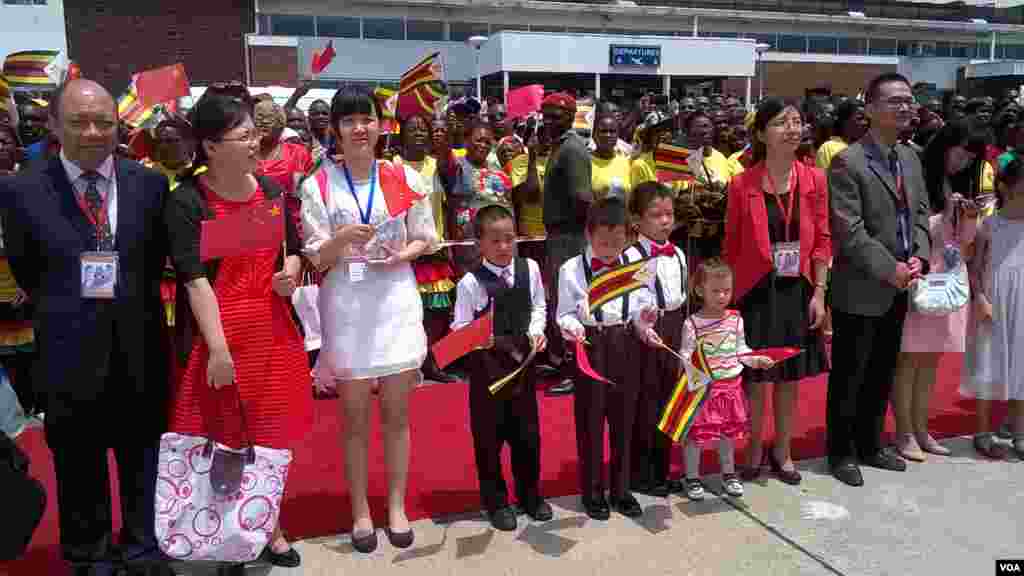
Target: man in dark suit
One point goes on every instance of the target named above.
(102, 368)
(880, 241)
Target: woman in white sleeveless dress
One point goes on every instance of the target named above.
(371, 313)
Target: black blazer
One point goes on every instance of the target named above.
(93, 354)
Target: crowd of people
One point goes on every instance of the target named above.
(810, 224)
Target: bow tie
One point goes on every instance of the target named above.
(598, 265)
(666, 249)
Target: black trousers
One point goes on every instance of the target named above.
(864, 353)
(510, 416)
(560, 247)
(596, 402)
(84, 501)
(652, 448)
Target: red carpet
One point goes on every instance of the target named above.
(442, 476)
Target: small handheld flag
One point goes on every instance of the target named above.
(464, 340)
(687, 399)
(323, 59)
(421, 87)
(671, 164)
(258, 228)
(583, 363)
(619, 281)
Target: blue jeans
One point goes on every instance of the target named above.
(12, 417)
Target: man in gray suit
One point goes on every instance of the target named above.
(879, 206)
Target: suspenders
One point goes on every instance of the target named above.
(659, 290)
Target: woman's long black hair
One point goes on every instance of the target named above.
(214, 116)
(955, 133)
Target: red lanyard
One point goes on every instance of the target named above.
(787, 212)
(103, 212)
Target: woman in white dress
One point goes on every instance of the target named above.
(994, 365)
(371, 313)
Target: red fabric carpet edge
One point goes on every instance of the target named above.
(442, 474)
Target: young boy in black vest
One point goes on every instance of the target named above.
(607, 334)
(512, 287)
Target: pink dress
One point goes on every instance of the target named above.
(724, 414)
(923, 333)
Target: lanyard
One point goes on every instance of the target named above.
(364, 216)
(787, 212)
(99, 221)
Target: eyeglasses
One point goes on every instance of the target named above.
(897, 102)
(250, 136)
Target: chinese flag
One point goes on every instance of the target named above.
(258, 228)
(321, 60)
(463, 341)
(162, 85)
(398, 195)
(524, 101)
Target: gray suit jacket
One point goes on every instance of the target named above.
(863, 205)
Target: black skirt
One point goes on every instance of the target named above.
(775, 313)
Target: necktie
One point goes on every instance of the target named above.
(894, 168)
(94, 202)
(598, 265)
(902, 215)
(506, 276)
(666, 249)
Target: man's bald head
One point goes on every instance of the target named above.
(85, 121)
(76, 90)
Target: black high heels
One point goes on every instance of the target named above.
(791, 477)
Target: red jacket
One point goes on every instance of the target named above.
(747, 247)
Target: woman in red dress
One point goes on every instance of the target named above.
(233, 318)
(285, 162)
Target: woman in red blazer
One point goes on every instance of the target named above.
(778, 243)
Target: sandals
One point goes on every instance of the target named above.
(909, 449)
(987, 446)
(694, 489)
(932, 446)
(732, 485)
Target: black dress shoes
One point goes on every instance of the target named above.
(627, 506)
(541, 512)
(848, 473)
(563, 388)
(366, 543)
(400, 539)
(886, 460)
(503, 519)
(597, 508)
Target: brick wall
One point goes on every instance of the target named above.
(791, 79)
(274, 65)
(112, 39)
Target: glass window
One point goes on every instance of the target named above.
(1013, 51)
(962, 50)
(792, 43)
(655, 33)
(291, 25)
(942, 49)
(821, 44)
(883, 46)
(262, 24)
(769, 39)
(384, 28)
(852, 45)
(337, 27)
(461, 31)
(714, 34)
(424, 30)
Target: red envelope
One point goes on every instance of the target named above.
(464, 340)
(245, 232)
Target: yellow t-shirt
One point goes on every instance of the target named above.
(611, 177)
(642, 169)
(531, 214)
(828, 151)
(427, 169)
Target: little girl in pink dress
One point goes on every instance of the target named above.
(927, 337)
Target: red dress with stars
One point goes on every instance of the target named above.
(271, 371)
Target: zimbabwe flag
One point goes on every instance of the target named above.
(421, 87)
(685, 403)
(671, 164)
(618, 281)
(31, 68)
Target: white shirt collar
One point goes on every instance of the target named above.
(74, 171)
(498, 270)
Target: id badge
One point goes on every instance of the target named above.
(99, 274)
(356, 271)
(786, 257)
